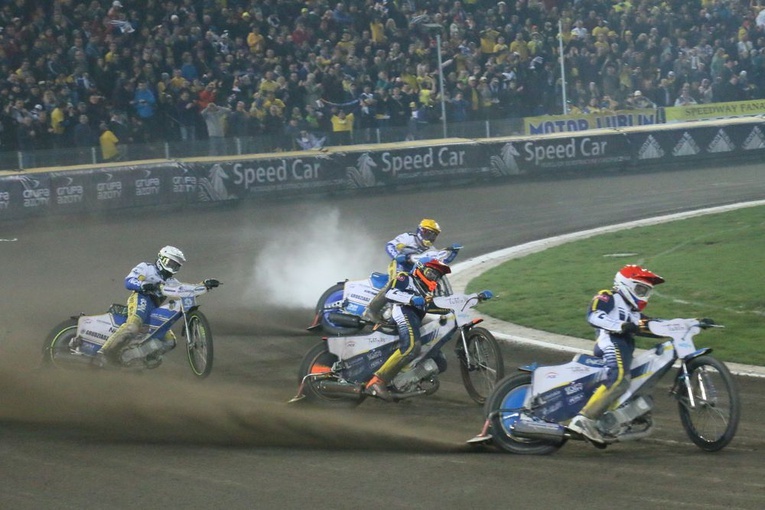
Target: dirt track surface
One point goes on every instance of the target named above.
(84, 439)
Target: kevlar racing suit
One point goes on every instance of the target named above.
(398, 248)
(615, 343)
(141, 303)
(411, 302)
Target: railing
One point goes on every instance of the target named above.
(263, 144)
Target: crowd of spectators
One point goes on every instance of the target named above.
(302, 74)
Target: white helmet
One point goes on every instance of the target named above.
(170, 259)
(635, 285)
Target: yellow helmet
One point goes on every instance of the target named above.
(427, 232)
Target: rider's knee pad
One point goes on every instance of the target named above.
(133, 324)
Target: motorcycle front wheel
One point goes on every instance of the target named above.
(504, 407)
(481, 365)
(199, 344)
(711, 411)
(331, 301)
(319, 360)
(57, 343)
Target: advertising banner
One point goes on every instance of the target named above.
(695, 143)
(24, 195)
(715, 111)
(550, 124)
(528, 156)
(275, 176)
(368, 169)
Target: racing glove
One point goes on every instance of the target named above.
(629, 328)
(402, 258)
(418, 301)
(210, 283)
(148, 287)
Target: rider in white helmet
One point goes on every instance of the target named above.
(145, 282)
(616, 315)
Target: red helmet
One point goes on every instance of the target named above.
(635, 284)
(429, 271)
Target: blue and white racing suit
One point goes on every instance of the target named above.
(608, 313)
(408, 244)
(408, 318)
(140, 304)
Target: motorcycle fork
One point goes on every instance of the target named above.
(465, 349)
(684, 379)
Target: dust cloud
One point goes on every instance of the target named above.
(153, 408)
(297, 264)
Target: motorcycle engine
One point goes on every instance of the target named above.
(141, 351)
(612, 421)
(404, 380)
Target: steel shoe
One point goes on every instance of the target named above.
(586, 427)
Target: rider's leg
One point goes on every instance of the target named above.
(408, 324)
(376, 304)
(617, 353)
(138, 308)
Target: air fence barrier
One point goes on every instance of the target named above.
(98, 188)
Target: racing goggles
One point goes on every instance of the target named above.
(431, 274)
(428, 235)
(642, 290)
(171, 265)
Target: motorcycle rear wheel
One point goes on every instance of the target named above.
(712, 422)
(333, 294)
(510, 394)
(486, 366)
(319, 360)
(57, 342)
(199, 344)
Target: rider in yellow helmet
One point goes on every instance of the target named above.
(401, 249)
(404, 245)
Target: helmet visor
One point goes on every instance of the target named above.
(642, 290)
(431, 274)
(170, 264)
(428, 235)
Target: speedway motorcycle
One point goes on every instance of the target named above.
(526, 413)
(334, 372)
(342, 309)
(76, 341)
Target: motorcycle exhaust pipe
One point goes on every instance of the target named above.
(340, 389)
(344, 319)
(541, 431)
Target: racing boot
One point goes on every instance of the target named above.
(109, 354)
(587, 428)
(377, 387)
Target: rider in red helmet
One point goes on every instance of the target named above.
(412, 297)
(616, 315)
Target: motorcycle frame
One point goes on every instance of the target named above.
(434, 334)
(161, 319)
(556, 400)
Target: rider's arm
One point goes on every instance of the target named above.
(398, 292)
(401, 244)
(599, 314)
(137, 277)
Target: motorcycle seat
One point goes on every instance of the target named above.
(379, 280)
